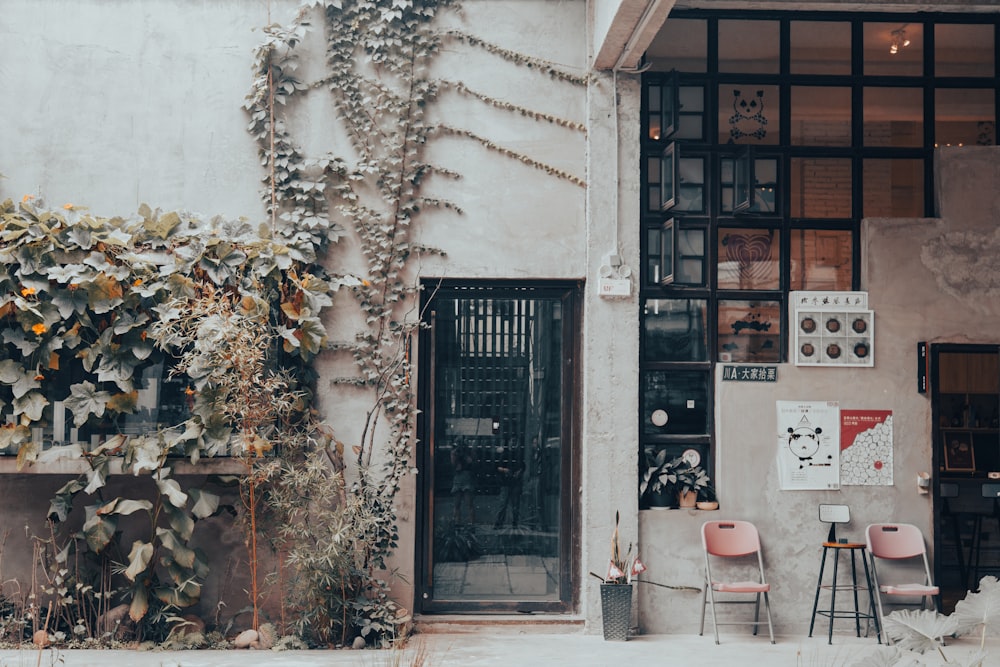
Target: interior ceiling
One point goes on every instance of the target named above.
(965, 47)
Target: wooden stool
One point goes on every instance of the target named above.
(834, 586)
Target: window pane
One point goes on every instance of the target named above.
(964, 117)
(654, 198)
(821, 188)
(749, 259)
(160, 403)
(820, 47)
(963, 50)
(765, 186)
(683, 395)
(748, 114)
(894, 116)
(675, 330)
(690, 268)
(654, 265)
(894, 49)
(680, 45)
(748, 46)
(821, 116)
(691, 113)
(691, 185)
(730, 169)
(893, 188)
(750, 331)
(668, 177)
(654, 107)
(820, 259)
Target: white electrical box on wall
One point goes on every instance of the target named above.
(832, 329)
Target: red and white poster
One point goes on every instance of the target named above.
(866, 447)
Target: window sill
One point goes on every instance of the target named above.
(181, 466)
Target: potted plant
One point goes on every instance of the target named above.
(707, 500)
(616, 588)
(658, 485)
(690, 481)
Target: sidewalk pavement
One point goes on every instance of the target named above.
(535, 650)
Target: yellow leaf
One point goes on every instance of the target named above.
(54, 361)
(123, 402)
(291, 310)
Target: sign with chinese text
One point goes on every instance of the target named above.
(750, 373)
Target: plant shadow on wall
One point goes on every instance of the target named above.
(90, 304)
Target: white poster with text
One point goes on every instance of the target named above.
(808, 445)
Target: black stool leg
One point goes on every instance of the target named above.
(819, 586)
(833, 594)
(873, 612)
(854, 589)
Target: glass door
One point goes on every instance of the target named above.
(495, 528)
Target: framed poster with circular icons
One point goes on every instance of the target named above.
(832, 329)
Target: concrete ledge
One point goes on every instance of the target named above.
(206, 466)
(494, 624)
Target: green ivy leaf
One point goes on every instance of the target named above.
(163, 226)
(182, 554)
(62, 504)
(183, 597)
(17, 338)
(313, 337)
(98, 531)
(86, 400)
(31, 405)
(138, 559)
(73, 274)
(172, 491)
(180, 521)
(96, 479)
(11, 435)
(143, 453)
(140, 602)
(104, 294)
(205, 503)
(80, 236)
(125, 506)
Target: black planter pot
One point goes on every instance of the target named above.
(662, 499)
(616, 611)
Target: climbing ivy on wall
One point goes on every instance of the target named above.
(378, 55)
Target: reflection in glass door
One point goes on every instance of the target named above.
(495, 532)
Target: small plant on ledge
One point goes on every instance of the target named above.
(671, 483)
(691, 480)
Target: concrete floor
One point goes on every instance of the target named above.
(531, 649)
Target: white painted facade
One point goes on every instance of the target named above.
(113, 104)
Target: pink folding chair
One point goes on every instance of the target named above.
(733, 539)
(901, 542)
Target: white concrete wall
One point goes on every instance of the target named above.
(111, 104)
